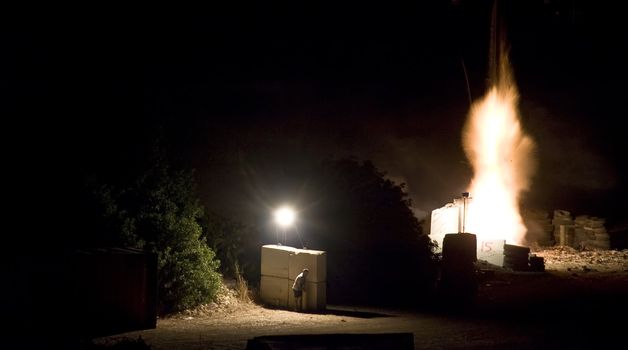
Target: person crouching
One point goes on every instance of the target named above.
(298, 287)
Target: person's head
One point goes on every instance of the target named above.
(305, 272)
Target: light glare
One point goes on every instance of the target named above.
(284, 216)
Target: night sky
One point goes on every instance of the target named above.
(88, 90)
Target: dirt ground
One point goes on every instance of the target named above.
(580, 301)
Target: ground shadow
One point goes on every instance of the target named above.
(337, 311)
(352, 312)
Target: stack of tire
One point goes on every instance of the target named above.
(516, 257)
(458, 282)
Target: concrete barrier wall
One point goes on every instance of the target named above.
(276, 260)
(280, 266)
(275, 291)
(314, 298)
(313, 260)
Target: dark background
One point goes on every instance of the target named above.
(247, 93)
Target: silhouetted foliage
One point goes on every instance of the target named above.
(160, 212)
(377, 250)
(231, 240)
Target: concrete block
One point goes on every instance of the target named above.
(492, 251)
(275, 291)
(313, 260)
(276, 260)
(314, 298)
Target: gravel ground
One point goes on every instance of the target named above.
(573, 304)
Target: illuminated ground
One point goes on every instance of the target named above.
(574, 304)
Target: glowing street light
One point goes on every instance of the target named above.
(284, 217)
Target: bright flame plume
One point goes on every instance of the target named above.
(502, 157)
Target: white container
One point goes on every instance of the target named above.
(275, 291)
(280, 266)
(276, 260)
(314, 260)
(314, 297)
(444, 220)
(492, 251)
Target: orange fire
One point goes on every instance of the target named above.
(503, 162)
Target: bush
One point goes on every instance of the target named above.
(234, 244)
(160, 213)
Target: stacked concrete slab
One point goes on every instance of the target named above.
(596, 234)
(564, 229)
(280, 266)
(516, 257)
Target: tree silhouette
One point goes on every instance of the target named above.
(160, 212)
(377, 252)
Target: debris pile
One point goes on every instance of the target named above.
(227, 302)
(568, 259)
